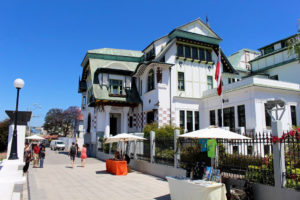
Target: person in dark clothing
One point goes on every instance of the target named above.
(27, 157)
(42, 156)
(72, 153)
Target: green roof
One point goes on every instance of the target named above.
(117, 52)
(111, 64)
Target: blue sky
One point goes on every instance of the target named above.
(44, 42)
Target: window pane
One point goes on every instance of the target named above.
(150, 117)
(180, 50)
(201, 54)
(115, 86)
(187, 52)
(228, 114)
(151, 80)
(195, 53)
(208, 55)
(181, 81)
(267, 118)
(181, 117)
(293, 115)
(130, 121)
(241, 116)
(196, 116)
(189, 121)
(209, 82)
(212, 117)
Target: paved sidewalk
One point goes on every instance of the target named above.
(57, 180)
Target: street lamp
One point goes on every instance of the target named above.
(18, 83)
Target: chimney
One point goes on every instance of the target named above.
(207, 22)
(299, 25)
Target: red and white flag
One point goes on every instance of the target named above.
(218, 74)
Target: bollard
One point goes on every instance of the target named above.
(134, 153)
(152, 146)
(176, 149)
(278, 155)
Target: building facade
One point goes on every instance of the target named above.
(171, 82)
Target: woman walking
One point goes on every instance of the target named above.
(27, 157)
(83, 155)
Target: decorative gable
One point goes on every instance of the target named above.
(199, 27)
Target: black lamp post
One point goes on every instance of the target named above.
(19, 84)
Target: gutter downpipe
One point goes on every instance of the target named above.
(170, 69)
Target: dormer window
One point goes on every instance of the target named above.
(150, 54)
(194, 53)
(115, 87)
(269, 49)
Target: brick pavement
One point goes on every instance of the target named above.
(57, 180)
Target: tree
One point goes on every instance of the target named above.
(54, 121)
(61, 122)
(4, 125)
(294, 46)
(70, 117)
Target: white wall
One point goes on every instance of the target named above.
(21, 130)
(254, 99)
(288, 72)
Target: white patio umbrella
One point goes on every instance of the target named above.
(123, 137)
(35, 137)
(214, 133)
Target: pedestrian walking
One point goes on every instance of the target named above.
(83, 155)
(36, 155)
(72, 153)
(42, 156)
(27, 157)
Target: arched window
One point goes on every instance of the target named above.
(151, 80)
(89, 124)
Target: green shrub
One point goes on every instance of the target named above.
(166, 131)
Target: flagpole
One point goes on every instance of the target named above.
(222, 124)
(222, 115)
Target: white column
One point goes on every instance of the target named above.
(125, 119)
(107, 121)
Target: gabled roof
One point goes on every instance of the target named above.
(117, 52)
(182, 28)
(204, 25)
(113, 54)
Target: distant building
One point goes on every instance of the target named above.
(240, 61)
(277, 63)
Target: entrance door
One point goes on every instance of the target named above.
(113, 126)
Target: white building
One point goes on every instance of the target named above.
(172, 82)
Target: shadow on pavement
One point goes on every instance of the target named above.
(165, 197)
(102, 172)
(69, 167)
(63, 152)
